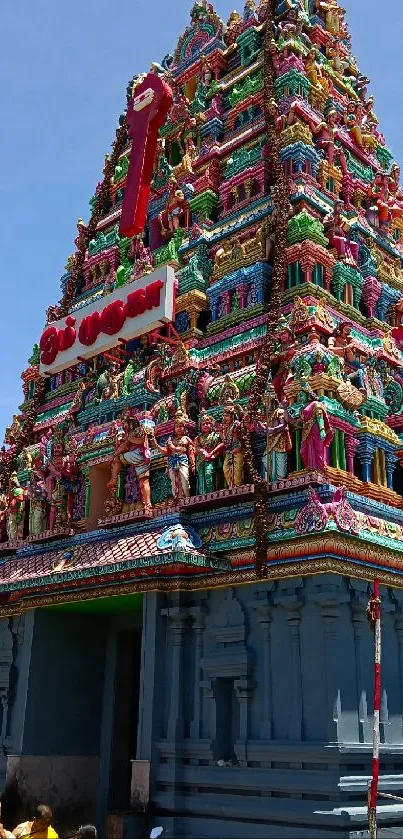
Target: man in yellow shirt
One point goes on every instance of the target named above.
(39, 828)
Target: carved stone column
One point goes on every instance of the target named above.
(197, 613)
(291, 601)
(351, 447)
(177, 618)
(244, 690)
(399, 635)
(264, 616)
(329, 601)
(359, 600)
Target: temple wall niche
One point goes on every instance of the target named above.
(275, 677)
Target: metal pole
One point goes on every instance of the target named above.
(374, 615)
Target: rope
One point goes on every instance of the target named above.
(264, 363)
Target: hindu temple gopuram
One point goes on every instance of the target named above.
(205, 475)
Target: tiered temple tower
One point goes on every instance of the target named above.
(206, 472)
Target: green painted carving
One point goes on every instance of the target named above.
(170, 252)
(121, 169)
(228, 344)
(385, 156)
(204, 203)
(394, 396)
(127, 382)
(292, 83)
(345, 274)
(196, 274)
(251, 85)
(35, 356)
(302, 368)
(243, 159)
(103, 241)
(164, 169)
(365, 173)
(243, 379)
(160, 486)
(124, 272)
(202, 97)
(249, 43)
(304, 226)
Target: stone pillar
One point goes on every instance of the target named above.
(213, 306)
(242, 296)
(177, 618)
(226, 298)
(264, 617)
(329, 599)
(399, 635)
(365, 454)
(370, 294)
(243, 689)
(86, 473)
(197, 614)
(351, 447)
(292, 603)
(359, 601)
(390, 464)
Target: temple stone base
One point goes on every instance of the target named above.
(230, 713)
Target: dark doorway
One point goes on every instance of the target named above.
(227, 716)
(125, 718)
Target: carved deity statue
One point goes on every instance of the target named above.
(232, 446)
(176, 213)
(229, 390)
(317, 433)
(179, 450)
(134, 450)
(15, 509)
(38, 496)
(279, 442)
(326, 133)
(315, 72)
(207, 449)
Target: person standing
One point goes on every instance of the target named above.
(39, 828)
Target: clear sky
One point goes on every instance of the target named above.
(64, 67)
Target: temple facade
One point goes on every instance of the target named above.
(205, 476)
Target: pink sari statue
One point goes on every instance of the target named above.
(317, 434)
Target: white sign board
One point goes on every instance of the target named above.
(130, 311)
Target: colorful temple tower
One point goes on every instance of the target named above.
(206, 472)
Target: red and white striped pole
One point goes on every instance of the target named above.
(374, 617)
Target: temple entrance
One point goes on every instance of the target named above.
(80, 726)
(125, 718)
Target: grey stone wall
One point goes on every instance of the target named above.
(52, 722)
(256, 708)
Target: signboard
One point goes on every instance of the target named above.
(146, 114)
(133, 310)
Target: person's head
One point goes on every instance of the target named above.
(229, 413)
(42, 819)
(272, 107)
(180, 424)
(338, 207)
(87, 831)
(180, 427)
(207, 423)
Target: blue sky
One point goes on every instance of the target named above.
(64, 67)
